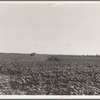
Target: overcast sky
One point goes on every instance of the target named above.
(54, 28)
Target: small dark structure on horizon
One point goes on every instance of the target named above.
(53, 58)
(33, 54)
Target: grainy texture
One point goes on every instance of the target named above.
(38, 74)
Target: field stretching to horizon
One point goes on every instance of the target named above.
(46, 74)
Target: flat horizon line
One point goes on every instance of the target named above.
(50, 54)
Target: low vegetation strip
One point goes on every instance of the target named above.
(49, 75)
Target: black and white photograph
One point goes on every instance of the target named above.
(49, 48)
